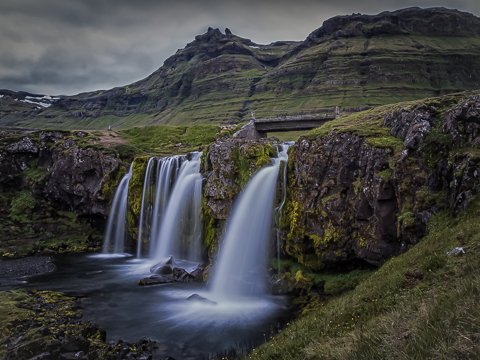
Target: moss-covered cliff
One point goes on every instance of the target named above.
(363, 187)
(55, 190)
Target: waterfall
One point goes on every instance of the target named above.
(167, 172)
(279, 209)
(115, 234)
(241, 269)
(180, 232)
(146, 208)
(160, 176)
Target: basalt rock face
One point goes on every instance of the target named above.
(77, 177)
(352, 199)
(71, 176)
(55, 192)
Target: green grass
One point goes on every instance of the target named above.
(367, 124)
(166, 139)
(422, 304)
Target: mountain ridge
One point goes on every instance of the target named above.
(350, 61)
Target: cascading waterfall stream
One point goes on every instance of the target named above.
(241, 269)
(115, 234)
(167, 172)
(146, 207)
(160, 177)
(279, 209)
(180, 230)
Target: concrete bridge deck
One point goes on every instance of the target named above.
(292, 122)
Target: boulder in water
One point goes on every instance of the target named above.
(198, 298)
(197, 273)
(164, 267)
(181, 275)
(155, 280)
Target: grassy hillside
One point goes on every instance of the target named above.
(351, 61)
(359, 71)
(422, 304)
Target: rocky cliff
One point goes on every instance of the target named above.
(364, 188)
(55, 189)
(351, 61)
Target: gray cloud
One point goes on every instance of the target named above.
(70, 46)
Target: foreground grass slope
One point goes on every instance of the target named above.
(422, 304)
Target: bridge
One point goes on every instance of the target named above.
(293, 122)
(258, 128)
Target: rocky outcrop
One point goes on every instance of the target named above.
(77, 176)
(227, 167)
(352, 198)
(55, 190)
(409, 21)
(70, 175)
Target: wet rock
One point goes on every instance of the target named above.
(156, 279)
(164, 267)
(198, 273)
(181, 275)
(198, 298)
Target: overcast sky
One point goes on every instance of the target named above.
(69, 46)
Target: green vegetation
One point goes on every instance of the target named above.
(22, 205)
(422, 304)
(10, 314)
(167, 140)
(26, 232)
(367, 124)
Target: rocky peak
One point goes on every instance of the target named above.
(211, 44)
(436, 21)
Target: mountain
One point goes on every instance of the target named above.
(352, 61)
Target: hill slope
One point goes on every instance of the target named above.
(351, 61)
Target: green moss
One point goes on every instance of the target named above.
(427, 199)
(331, 234)
(249, 158)
(22, 205)
(385, 174)
(329, 198)
(35, 174)
(293, 216)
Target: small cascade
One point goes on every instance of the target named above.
(160, 177)
(180, 232)
(279, 209)
(241, 269)
(168, 169)
(144, 224)
(115, 234)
